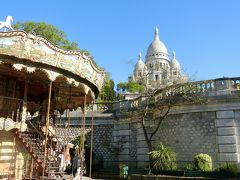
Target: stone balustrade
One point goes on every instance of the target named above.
(212, 87)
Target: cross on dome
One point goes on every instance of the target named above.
(139, 56)
(156, 33)
(173, 54)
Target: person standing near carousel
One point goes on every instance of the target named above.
(77, 164)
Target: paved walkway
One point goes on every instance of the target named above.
(69, 177)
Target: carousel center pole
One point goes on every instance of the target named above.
(47, 126)
(24, 107)
(83, 136)
(91, 150)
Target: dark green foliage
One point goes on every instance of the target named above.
(188, 167)
(227, 168)
(48, 31)
(122, 86)
(202, 162)
(130, 87)
(77, 141)
(97, 163)
(170, 172)
(162, 158)
(108, 93)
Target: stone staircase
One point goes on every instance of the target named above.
(33, 141)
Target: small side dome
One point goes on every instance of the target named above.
(174, 63)
(140, 64)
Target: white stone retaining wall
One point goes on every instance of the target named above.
(189, 130)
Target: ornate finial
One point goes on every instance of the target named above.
(7, 24)
(156, 33)
(140, 56)
(173, 54)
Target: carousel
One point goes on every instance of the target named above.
(38, 81)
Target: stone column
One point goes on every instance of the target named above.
(227, 137)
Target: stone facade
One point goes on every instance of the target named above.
(227, 124)
(212, 128)
(189, 134)
(214, 132)
(104, 146)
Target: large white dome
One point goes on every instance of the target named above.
(157, 47)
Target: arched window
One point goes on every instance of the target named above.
(156, 66)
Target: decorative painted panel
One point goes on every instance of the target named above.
(37, 49)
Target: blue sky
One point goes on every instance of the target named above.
(205, 34)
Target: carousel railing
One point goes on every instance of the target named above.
(11, 107)
(54, 155)
(32, 139)
(54, 149)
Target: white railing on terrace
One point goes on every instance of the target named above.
(213, 87)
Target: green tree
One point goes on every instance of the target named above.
(130, 87)
(155, 106)
(122, 86)
(48, 31)
(135, 87)
(108, 93)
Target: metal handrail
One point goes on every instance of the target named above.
(49, 131)
(12, 98)
(49, 143)
(32, 125)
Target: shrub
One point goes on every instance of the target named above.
(188, 167)
(203, 162)
(162, 158)
(230, 169)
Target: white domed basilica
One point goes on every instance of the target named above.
(157, 71)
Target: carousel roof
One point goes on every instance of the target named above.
(34, 55)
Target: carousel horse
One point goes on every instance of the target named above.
(7, 23)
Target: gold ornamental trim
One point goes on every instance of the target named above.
(38, 50)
